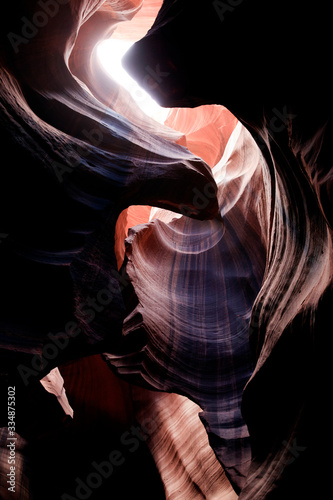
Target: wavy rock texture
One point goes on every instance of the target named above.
(54, 383)
(206, 130)
(210, 307)
(279, 86)
(92, 163)
(22, 489)
(179, 445)
(198, 308)
(75, 164)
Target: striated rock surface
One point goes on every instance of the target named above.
(230, 313)
(78, 153)
(54, 383)
(179, 445)
(206, 130)
(75, 164)
(276, 81)
(196, 283)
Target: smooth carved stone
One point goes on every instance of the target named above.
(203, 278)
(267, 63)
(92, 163)
(179, 445)
(80, 152)
(54, 383)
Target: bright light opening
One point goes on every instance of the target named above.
(110, 53)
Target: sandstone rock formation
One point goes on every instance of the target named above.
(218, 303)
(272, 59)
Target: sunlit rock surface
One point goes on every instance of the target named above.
(80, 164)
(179, 445)
(202, 278)
(54, 383)
(229, 313)
(267, 63)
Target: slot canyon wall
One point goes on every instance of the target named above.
(166, 289)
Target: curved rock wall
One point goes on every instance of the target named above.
(198, 308)
(223, 297)
(275, 79)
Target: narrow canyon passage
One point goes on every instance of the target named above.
(166, 249)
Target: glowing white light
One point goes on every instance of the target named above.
(110, 53)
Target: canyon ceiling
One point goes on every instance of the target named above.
(166, 289)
